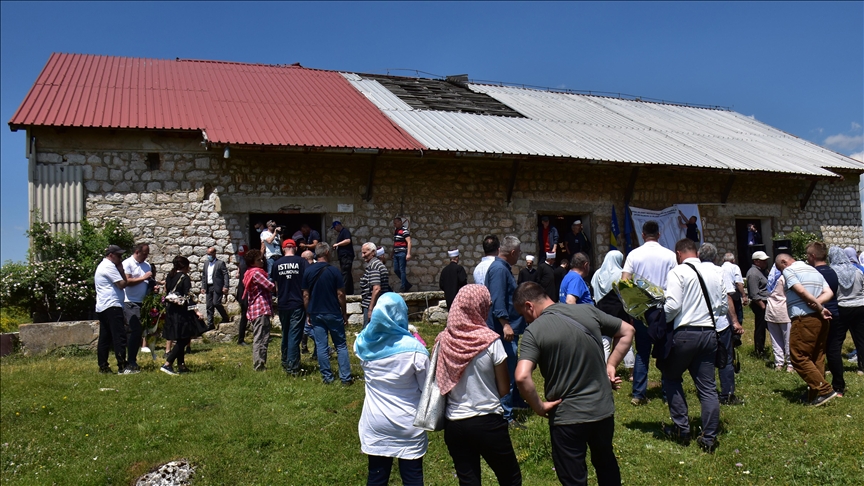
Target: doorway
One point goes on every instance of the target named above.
(743, 245)
(562, 223)
(290, 224)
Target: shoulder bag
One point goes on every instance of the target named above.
(433, 405)
(722, 355)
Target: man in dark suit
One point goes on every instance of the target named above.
(214, 284)
(529, 273)
(545, 276)
(453, 278)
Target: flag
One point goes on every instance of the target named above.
(613, 237)
(628, 228)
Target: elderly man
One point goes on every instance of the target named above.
(139, 277)
(401, 252)
(345, 251)
(546, 276)
(574, 290)
(733, 271)
(809, 333)
(576, 241)
(653, 262)
(110, 280)
(490, 252)
(725, 331)
(529, 273)
(453, 277)
(374, 282)
(695, 298)
(258, 292)
(324, 299)
(288, 274)
(757, 290)
(504, 319)
(578, 380)
(214, 284)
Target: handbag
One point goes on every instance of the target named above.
(175, 297)
(722, 355)
(432, 407)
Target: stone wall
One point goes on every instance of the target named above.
(195, 198)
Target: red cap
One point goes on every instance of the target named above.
(289, 242)
(242, 250)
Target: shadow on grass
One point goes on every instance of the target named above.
(792, 395)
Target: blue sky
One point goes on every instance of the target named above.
(798, 66)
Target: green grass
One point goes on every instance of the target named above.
(62, 422)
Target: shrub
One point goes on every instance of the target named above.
(11, 317)
(57, 281)
(800, 240)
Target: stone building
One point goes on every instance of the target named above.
(190, 154)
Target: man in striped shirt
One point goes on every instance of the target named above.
(401, 252)
(374, 282)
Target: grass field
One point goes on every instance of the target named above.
(61, 422)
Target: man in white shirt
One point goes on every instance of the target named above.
(740, 298)
(695, 344)
(138, 276)
(110, 280)
(490, 250)
(725, 331)
(270, 245)
(650, 261)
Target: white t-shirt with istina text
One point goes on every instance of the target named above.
(133, 269)
(477, 391)
(107, 294)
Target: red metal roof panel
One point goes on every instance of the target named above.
(236, 103)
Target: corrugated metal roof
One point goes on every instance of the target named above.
(609, 129)
(235, 103)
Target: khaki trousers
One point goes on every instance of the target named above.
(807, 341)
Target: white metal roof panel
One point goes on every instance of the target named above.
(608, 129)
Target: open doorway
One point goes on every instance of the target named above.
(290, 224)
(564, 224)
(748, 241)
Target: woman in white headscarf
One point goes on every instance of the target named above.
(850, 302)
(607, 300)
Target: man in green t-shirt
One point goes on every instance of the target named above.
(564, 341)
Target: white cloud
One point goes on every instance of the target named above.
(855, 127)
(858, 156)
(851, 140)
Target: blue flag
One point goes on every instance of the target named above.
(613, 237)
(628, 228)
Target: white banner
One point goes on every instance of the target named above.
(673, 223)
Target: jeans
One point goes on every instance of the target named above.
(571, 442)
(643, 358)
(214, 301)
(112, 333)
(269, 262)
(851, 319)
(513, 399)
(334, 325)
(365, 311)
(399, 263)
(807, 340)
(727, 374)
(411, 471)
(693, 350)
(132, 315)
(345, 265)
(292, 330)
(484, 436)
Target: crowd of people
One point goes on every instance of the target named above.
(569, 320)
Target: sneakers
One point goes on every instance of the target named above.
(707, 447)
(674, 433)
(636, 402)
(822, 400)
(731, 400)
(130, 370)
(168, 369)
(145, 349)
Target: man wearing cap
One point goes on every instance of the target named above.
(576, 240)
(545, 276)
(244, 303)
(288, 274)
(548, 235)
(139, 278)
(529, 273)
(653, 262)
(110, 280)
(345, 252)
(401, 252)
(374, 282)
(214, 284)
(574, 290)
(453, 278)
(757, 290)
(270, 245)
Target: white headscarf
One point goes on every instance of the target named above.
(843, 266)
(609, 272)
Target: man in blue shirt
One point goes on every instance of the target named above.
(324, 300)
(504, 319)
(287, 273)
(573, 288)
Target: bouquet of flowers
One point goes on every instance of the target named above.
(638, 295)
(152, 319)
